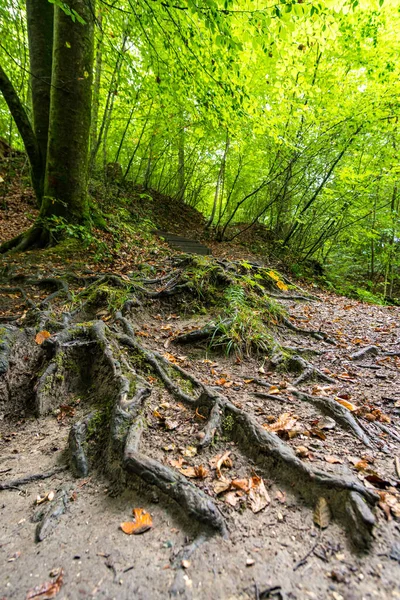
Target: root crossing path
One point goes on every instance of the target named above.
(263, 443)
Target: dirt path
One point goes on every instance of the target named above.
(277, 552)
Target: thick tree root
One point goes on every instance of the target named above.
(36, 237)
(338, 412)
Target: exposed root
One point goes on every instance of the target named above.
(338, 412)
(36, 237)
(111, 382)
(16, 483)
(309, 372)
(368, 351)
(318, 335)
(270, 452)
(49, 516)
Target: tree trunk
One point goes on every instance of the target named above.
(181, 163)
(70, 111)
(40, 17)
(96, 90)
(25, 129)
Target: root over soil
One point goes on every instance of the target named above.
(115, 376)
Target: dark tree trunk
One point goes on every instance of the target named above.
(24, 126)
(65, 192)
(40, 17)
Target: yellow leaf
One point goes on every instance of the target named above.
(282, 286)
(41, 336)
(273, 275)
(349, 405)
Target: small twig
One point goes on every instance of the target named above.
(303, 560)
(397, 465)
(9, 485)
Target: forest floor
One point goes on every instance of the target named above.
(275, 547)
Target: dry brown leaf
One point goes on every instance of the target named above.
(221, 486)
(199, 472)
(241, 484)
(258, 495)
(177, 463)
(231, 498)
(302, 451)
(322, 513)
(361, 465)
(219, 461)
(47, 590)
(143, 522)
(274, 390)
(333, 460)
(285, 422)
(349, 405)
(41, 336)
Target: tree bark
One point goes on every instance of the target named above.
(65, 192)
(25, 129)
(40, 20)
(96, 90)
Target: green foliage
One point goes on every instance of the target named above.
(281, 116)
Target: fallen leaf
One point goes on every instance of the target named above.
(361, 465)
(349, 405)
(41, 336)
(47, 590)
(199, 472)
(143, 522)
(333, 460)
(222, 460)
(190, 451)
(177, 463)
(274, 390)
(282, 286)
(378, 481)
(258, 495)
(302, 451)
(46, 498)
(241, 484)
(318, 433)
(231, 498)
(322, 513)
(221, 485)
(285, 422)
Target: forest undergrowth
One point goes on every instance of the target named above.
(216, 384)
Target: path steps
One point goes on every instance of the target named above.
(184, 244)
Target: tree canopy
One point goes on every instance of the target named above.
(281, 114)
